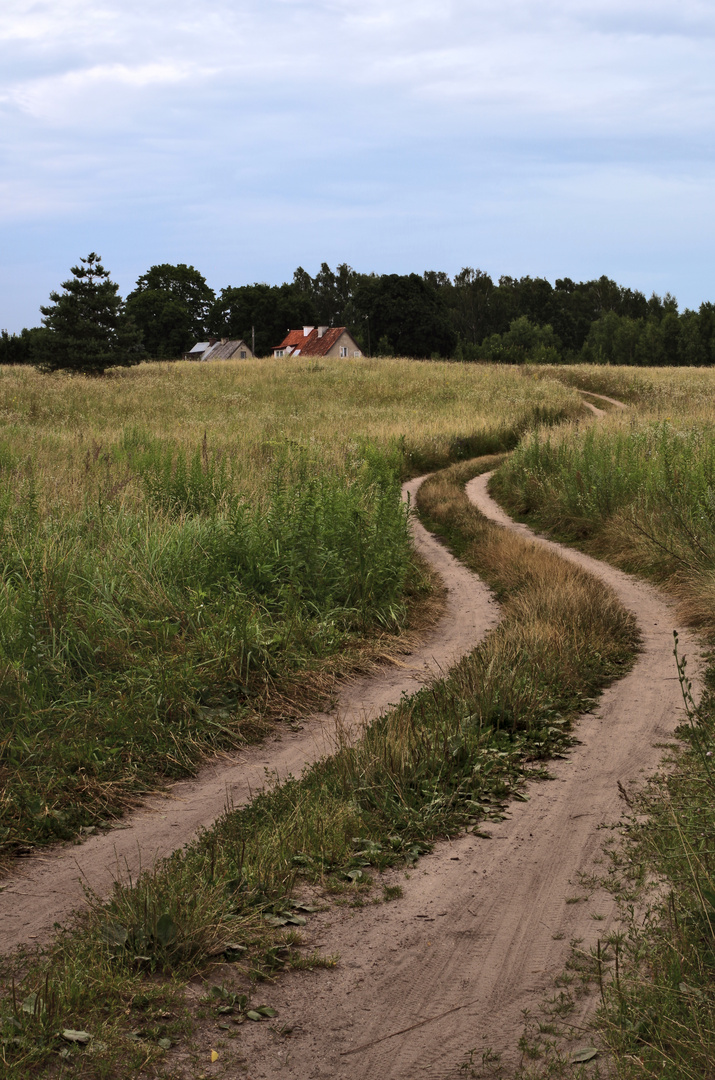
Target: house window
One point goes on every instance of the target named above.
(356, 353)
(280, 352)
(243, 354)
(343, 350)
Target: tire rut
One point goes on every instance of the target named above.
(46, 888)
(483, 926)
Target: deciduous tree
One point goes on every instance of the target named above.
(271, 309)
(170, 305)
(407, 312)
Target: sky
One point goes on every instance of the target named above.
(555, 138)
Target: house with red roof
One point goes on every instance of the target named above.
(318, 341)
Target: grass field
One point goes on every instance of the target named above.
(663, 391)
(155, 509)
(187, 550)
(70, 427)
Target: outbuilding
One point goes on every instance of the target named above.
(222, 349)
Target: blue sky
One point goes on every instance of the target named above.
(543, 137)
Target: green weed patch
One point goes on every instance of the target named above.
(132, 640)
(657, 475)
(639, 492)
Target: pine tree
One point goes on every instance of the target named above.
(86, 328)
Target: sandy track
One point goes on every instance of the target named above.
(601, 397)
(483, 925)
(46, 888)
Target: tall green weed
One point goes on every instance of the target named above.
(135, 634)
(654, 480)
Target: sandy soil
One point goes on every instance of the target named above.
(46, 888)
(483, 925)
(602, 397)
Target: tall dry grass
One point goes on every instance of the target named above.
(660, 391)
(67, 428)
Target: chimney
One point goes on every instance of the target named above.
(212, 341)
(321, 330)
(308, 330)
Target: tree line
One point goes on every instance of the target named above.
(469, 317)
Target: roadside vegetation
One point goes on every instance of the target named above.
(447, 759)
(658, 1008)
(189, 551)
(637, 489)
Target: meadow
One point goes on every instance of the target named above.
(153, 529)
(661, 391)
(188, 551)
(433, 412)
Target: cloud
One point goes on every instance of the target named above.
(278, 126)
(92, 95)
(598, 63)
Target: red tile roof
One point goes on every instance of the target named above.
(312, 345)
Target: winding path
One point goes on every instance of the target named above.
(483, 926)
(46, 888)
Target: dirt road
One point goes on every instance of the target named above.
(46, 888)
(483, 925)
(601, 397)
